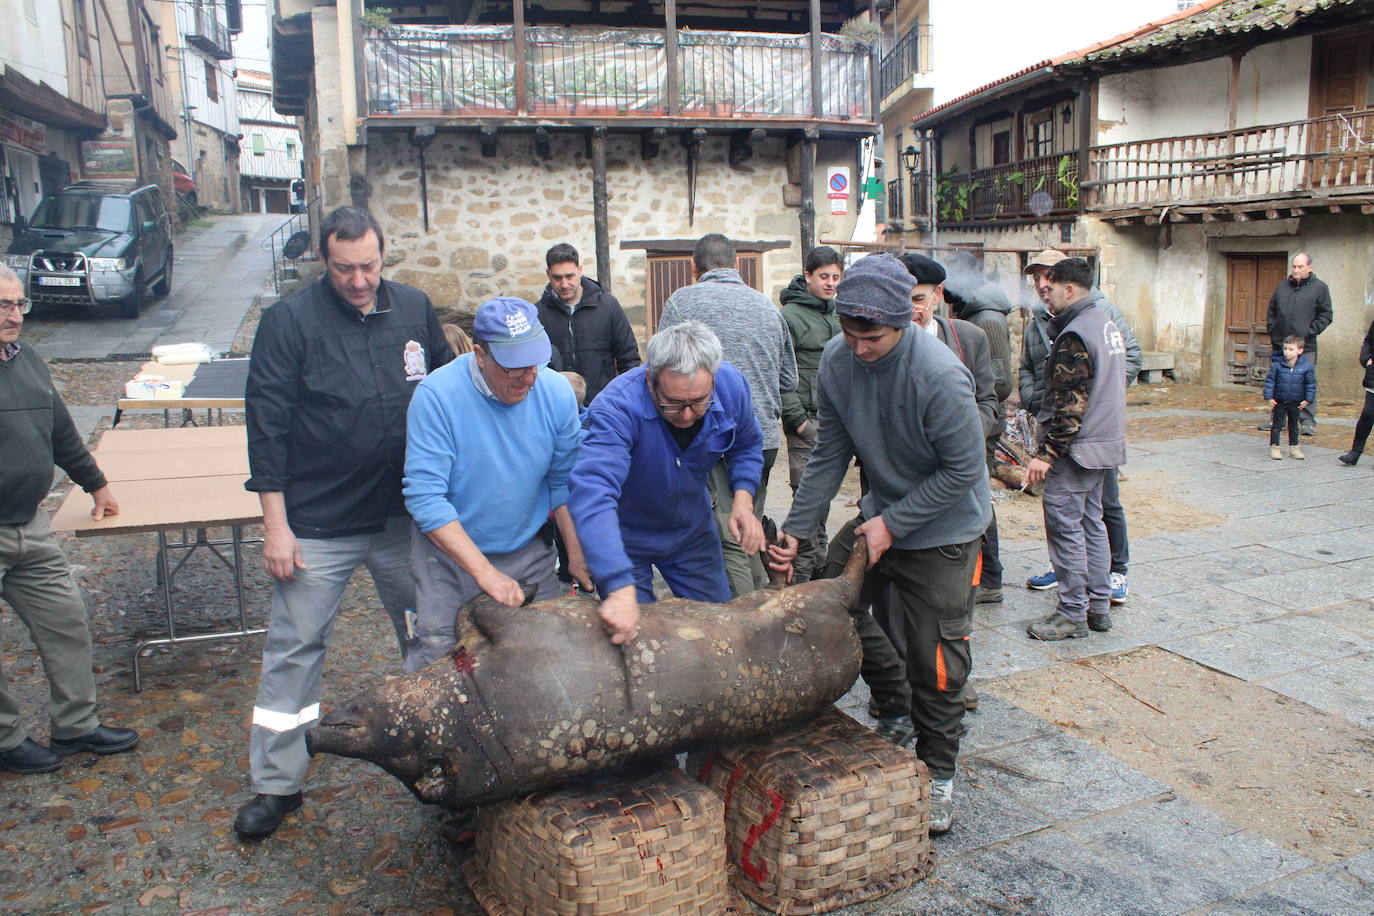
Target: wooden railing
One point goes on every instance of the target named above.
(1319, 156)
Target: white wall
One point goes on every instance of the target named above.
(978, 42)
(35, 47)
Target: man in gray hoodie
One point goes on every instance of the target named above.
(900, 401)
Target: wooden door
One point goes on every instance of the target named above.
(1250, 281)
(670, 271)
(1342, 74)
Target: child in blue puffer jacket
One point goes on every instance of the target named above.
(1290, 386)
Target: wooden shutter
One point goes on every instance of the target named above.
(670, 271)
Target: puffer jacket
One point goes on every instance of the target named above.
(1290, 383)
(1367, 357)
(987, 308)
(812, 323)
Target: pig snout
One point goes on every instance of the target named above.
(340, 732)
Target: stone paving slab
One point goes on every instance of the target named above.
(998, 722)
(1342, 689)
(1241, 654)
(1157, 620)
(1319, 892)
(1313, 634)
(1322, 547)
(997, 655)
(1067, 650)
(1236, 563)
(1305, 589)
(1149, 581)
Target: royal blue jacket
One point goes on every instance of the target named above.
(634, 493)
(1290, 383)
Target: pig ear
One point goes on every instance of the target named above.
(500, 622)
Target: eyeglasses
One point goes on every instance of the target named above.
(697, 407)
(515, 373)
(20, 305)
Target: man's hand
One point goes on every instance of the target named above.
(747, 529)
(1302, 405)
(281, 554)
(1036, 472)
(620, 615)
(105, 503)
(801, 430)
(500, 586)
(879, 538)
(1273, 403)
(781, 556)
(577, 568)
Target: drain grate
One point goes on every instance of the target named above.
(127, 357)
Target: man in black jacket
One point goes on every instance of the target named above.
(333, 369)
(36, 432)
(1300, 306)
(589, 331)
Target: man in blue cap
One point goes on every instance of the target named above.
(490, 440)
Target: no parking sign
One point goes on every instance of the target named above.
(837, 189)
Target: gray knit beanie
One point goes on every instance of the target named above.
(877, 288)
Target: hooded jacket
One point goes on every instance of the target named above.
(1301, 308)
(593, 339)
(987, 308)
(1294, 383)
(811, 322)
(1035, 349)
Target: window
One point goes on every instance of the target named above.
(211, 85)
(290, 151)
(1040, 134)
(1001, 147)
(259, 145)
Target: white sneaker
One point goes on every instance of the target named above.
(941, 805)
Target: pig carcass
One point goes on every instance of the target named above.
(533, 696)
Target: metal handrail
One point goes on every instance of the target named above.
(298, 222)
(905, 58)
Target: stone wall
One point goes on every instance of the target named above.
(216, 169)
(492, 219)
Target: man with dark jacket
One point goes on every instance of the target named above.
(808, 307)
(586, 325)
(1035, 350)
(36, 432)
(1300, 307)
(333, 369)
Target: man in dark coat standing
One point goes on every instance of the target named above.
(589, 331)
(1301, 307)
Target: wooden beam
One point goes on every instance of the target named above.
(817, 103)
(1240, 216)
(1209, 217)
(1367, 209)
(808, 194)
(600, 206)
(670, 52)
(1334, 208)
(1271, 213)
(522, 89)
(1233, 90)
(1086, 120)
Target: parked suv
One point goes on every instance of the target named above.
(93, 243)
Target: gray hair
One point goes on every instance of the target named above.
(7, 274)
(683, 349)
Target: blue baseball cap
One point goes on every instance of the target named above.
(510, 331)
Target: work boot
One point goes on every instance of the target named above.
(28, 756)
(897, 729)
(1295, 451)
(970, 698)
(988, 595)
(1276, 453)
(1349, 458)
(262, 815)
(100, 740)
(1057, 626)
(1099, 623)
(941, 805)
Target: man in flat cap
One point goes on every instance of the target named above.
(1035, 349)
(491, 439)
(900, 401)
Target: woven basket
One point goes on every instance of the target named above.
(821, 816)
(645, 843)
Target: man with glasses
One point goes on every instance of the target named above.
(36, 432)
(490, 441)
(638, 492)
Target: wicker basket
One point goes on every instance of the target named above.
(646, 843)
(822, 816)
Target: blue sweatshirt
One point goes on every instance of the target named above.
(635, 495)
(498, 469)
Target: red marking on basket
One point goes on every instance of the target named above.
(463, 662)
(707, 767)
(760, 871)
(730, 786)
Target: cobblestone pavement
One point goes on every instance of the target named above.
(1278, 599)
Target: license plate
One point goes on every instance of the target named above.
(59, 281)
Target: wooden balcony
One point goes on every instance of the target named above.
(1298, 161)
(462, 73)
(1045, 187)
(209, 34)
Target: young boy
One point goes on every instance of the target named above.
(1290, 386)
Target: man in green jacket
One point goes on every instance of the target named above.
(808, 307)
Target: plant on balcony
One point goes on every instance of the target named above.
(1066, 174)
(862, 31)
(378, 19)
(952, 195)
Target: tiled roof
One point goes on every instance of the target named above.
(1209, 21)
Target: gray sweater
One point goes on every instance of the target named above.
(910, 417)
(751, 331)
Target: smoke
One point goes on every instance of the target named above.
(968, 286)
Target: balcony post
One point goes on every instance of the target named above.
(808, 193)
(361, 109)
(817, 105)
(1086, 119)
(522, 102)
(877, 96)
(670, 52)
(600, 217)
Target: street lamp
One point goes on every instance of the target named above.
(910, 160)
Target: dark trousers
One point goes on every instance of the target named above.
(992, 559)
(1284, 411)
(933, 595)
(1364, 424)
(1309, 413)
(1114, 517)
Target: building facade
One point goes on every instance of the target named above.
(629, 135)
(1192, 157)
(270, 157)
(205, 94)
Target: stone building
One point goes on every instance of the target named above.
(1191, 158)
(205, 94)
(629, 135)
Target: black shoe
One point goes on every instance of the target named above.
(1099, 623)
(261, 816)
(1266, 426)
(970, 698)
(1309, 430)
(1349, 458)
(988, 595)
(897, 729)
(28, 756)
(100, 740)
